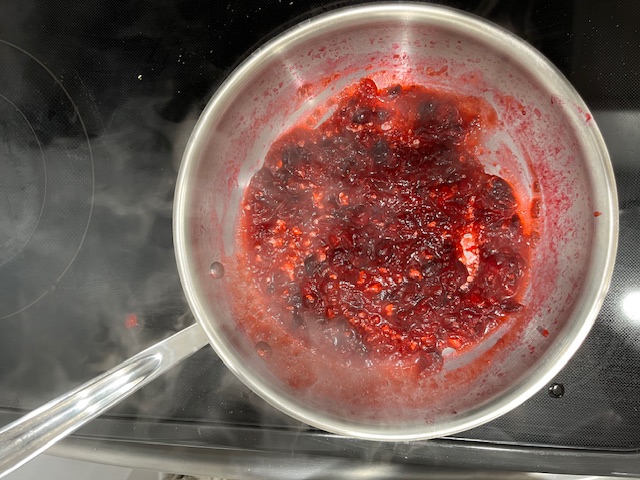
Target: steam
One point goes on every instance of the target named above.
(89, 302)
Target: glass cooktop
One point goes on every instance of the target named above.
(97, 101)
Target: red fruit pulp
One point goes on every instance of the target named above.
(377, 237)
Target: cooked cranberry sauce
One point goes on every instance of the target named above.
(378, 235)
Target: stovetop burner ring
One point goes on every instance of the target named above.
(48, 182)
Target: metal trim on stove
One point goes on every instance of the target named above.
(446, 460)
(246, 452)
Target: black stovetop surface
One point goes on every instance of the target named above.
(96, 103)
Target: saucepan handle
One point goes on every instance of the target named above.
(25, 438)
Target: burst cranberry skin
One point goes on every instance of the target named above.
(377, 237)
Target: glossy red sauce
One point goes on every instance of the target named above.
(376, 239)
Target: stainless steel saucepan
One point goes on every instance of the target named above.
(547, 143)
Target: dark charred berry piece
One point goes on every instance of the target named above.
(362, 116)
(394, 91)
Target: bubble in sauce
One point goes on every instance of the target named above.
(263, 349)
(216, 270)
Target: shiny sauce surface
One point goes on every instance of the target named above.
(376, 240)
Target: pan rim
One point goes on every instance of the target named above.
(608, 221)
